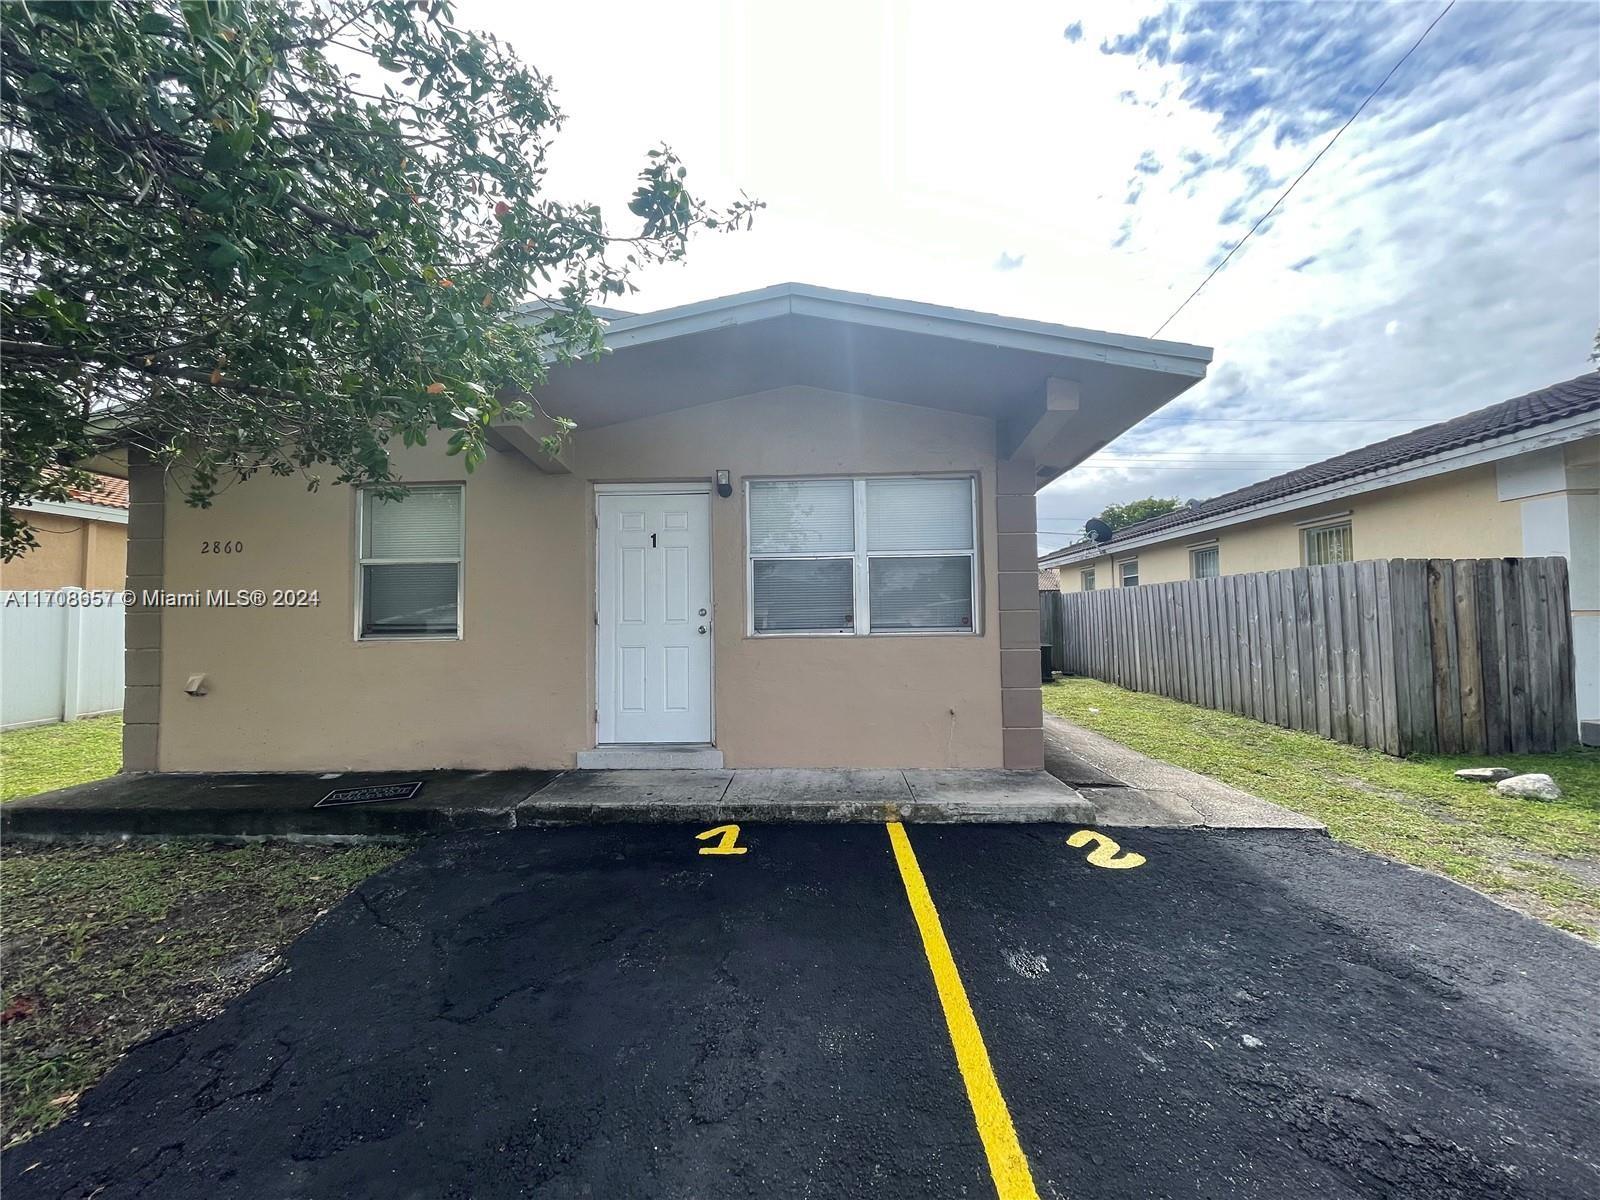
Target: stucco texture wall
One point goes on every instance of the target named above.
(1458, 515)
(291, 689)
(72, 552)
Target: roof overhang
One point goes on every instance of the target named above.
(1056, 393)
(77, 508)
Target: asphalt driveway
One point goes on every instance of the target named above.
(608, 1012)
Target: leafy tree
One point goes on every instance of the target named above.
(1120, 515)
(282, 234)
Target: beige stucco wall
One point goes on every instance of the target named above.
(1458, 515)
(72, 552)
(291, 689)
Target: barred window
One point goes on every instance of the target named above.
(1328, 544)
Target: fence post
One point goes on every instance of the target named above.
(72, 665)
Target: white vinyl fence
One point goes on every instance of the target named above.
(60, 655)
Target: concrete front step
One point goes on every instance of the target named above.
(650, 758)
(824, 795)
(244, 807)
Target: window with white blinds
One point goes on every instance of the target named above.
(859, 556)
(1205, 563)
(1086, 580)
(410, 553)
(1328, 544)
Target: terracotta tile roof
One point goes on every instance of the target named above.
(1554, 403)
(109, 492)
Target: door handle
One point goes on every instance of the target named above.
(702, 629)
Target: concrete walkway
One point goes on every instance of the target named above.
(1090, 780)
(1132, 789)
(236, 807)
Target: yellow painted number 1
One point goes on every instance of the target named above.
(728, 842)
(1106, 853)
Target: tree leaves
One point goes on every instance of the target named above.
(191, 184)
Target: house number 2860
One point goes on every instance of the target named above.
(221, 547)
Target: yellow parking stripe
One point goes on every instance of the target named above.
(1007, 1164)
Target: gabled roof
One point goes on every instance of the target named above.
(1558, 402)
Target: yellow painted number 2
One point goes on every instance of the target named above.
(728, 842)
(1106, 853)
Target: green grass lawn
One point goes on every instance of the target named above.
(1541, 857)
(47, 757)
(106, 946)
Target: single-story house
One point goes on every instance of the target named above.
(794, 527)
(1519, 478)
(82, 542)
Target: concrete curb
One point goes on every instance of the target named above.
(534, 813)
(248, 808)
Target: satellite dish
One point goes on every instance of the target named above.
(1097, 529)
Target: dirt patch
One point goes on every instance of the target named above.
(1409, 799)
(107, 946)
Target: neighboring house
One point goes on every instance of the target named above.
(795, 527)
(82, 542)
(1048, 582)
(1520, 478)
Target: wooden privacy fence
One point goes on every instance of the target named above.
(1407, 656)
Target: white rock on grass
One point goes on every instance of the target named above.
(1533, 786)
(1485, 774)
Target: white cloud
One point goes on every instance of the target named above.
(1444, 255)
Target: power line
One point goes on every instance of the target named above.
(1285, 420)
(1200, 460)
(1307, 170)
(1194, 466)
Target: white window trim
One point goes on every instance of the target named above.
(1088, 581)
(1122, 574)
(1334, 518)
(362, 494)
(859, 557)
(1307, 532)
(1196, 551)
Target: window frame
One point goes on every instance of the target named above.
(1194, 556)
(1307, 532)
(363, 495)
(1086, 580)
(860, 559)
(1122, 571)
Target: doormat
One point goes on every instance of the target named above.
(371, 794)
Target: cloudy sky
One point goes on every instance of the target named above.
(1089, 163)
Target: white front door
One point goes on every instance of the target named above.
(653, 601)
